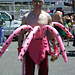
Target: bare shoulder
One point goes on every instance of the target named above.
(48, 17)
(59, 12)
(45, 13)
(25, 16)
(24, 19)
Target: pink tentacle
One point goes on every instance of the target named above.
(63, 28)
(27, 41)
(6, 44)
(9, 40)
(42, 34)
(61, 45)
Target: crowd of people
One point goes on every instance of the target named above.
(67, 20)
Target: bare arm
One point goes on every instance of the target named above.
(61, 18)
(51, 37)
(21, 34)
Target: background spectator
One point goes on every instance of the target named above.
(2, 23)
(51, 11)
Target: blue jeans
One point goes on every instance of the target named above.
(2, 38)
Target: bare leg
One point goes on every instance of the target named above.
(67, 41)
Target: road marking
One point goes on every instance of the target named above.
(6, 49)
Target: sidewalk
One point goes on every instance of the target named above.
(10, 65)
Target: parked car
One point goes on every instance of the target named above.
(11, 24)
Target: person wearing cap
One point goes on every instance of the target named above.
(2, 23)
(57, 17)
(51, 12)
(36, 17)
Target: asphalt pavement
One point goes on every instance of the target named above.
(10, 65)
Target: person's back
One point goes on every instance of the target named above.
(57, 16)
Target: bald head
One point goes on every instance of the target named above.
(37, 0)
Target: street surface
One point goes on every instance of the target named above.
(10, 65)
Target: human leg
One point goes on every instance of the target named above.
(29, 65)
(74, 42)
(43, 69)
(1, 36)
(67, 36)
(67, 41)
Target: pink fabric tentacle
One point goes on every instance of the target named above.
(9, 40)
(6, 44)
(42, 33)
(63, 28)
(61, 45)
(27, 42)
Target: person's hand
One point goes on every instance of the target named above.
(55, 54)
(19, 49)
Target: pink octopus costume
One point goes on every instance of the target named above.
(36, 48)
(37, 53)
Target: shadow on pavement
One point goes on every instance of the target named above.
(71, 53)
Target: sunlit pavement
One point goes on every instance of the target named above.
(10, 65)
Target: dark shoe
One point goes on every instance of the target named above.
(68, 45)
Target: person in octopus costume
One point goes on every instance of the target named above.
(37, 46)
